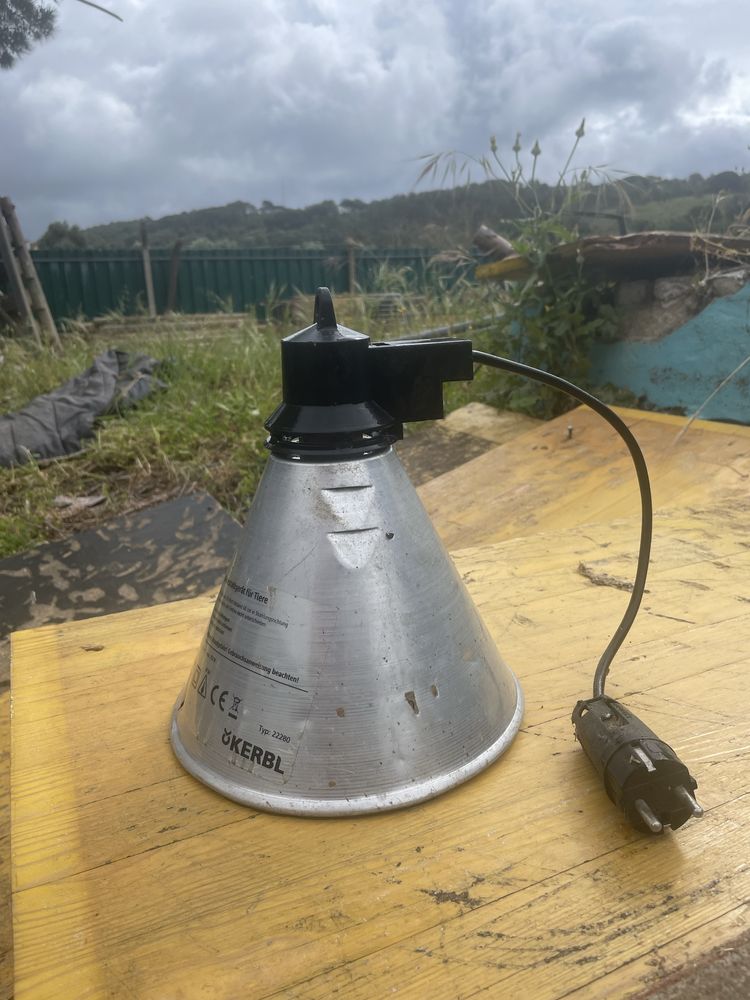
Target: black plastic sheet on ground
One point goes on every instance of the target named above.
(54, 424)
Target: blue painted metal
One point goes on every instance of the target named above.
(680, 370)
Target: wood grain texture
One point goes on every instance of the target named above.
(133, 880)
(551, 478)
(6, 936)
(486, 422)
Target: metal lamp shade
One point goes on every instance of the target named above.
(345, 668)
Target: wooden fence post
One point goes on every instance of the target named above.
(351, 257)
(147, 272)
(174, 267)
(29, 277)
(18, 292)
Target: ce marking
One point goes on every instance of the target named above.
(220, 701)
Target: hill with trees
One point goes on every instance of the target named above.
(438, 219)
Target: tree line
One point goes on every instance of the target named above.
(440, 219)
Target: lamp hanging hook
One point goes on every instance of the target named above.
(324, 316)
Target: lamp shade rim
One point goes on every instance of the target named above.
(306, 805)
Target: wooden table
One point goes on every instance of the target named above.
(130, 879)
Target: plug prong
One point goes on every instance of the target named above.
(689, 800)
(644, 758)
(644, 811)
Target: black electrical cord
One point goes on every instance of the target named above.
(644, 549)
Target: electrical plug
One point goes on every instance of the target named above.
(642, 774)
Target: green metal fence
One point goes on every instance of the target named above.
(90, 283)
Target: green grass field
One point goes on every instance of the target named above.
(205, 430)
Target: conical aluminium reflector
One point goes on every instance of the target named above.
(345, 668)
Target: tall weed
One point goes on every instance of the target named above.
(550, 317)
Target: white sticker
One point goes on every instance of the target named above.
(251, 692)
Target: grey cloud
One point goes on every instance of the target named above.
(189, 104)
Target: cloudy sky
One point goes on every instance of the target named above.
(191, 103)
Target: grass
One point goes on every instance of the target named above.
(205, 431)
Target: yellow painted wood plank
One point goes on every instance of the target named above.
(65, 654)
(6, 937)
(89, 833)
(586, 622)
(629, 413)
(547, 480)
(134, 880)
(649, 971)
(526, 622)
(293, 905)
(546, 940)
(488, 423)
(510, 268)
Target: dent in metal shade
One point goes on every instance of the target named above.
(345, 668)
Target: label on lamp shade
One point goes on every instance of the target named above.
(250, 693)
